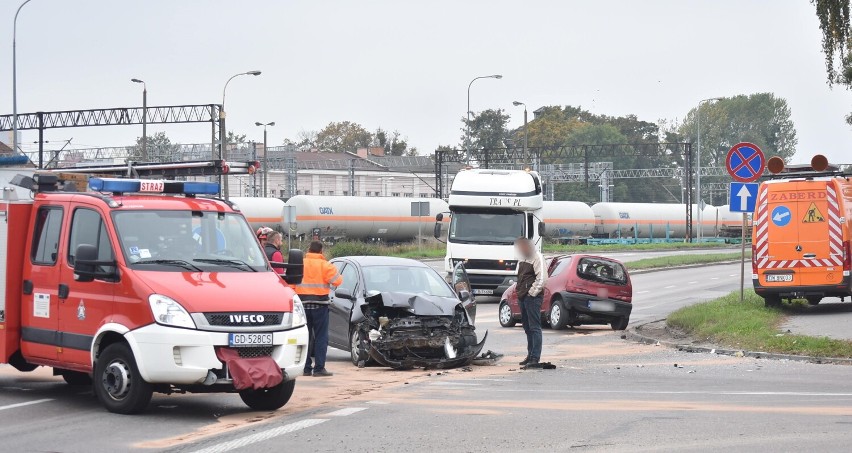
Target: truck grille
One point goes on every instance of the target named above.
(224, 319)
(488, 265)
(255, 352)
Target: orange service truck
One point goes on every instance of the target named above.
(801, 233)
(138, 286)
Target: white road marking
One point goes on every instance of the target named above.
(665, 392)
(346, 411)
(262, 436)
(377, 402)
(691, 283)
(670, 287)
(714, 278)
(464, 384)
(643, 292)
(28, 403)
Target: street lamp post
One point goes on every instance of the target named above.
(698, 170)
(526, 154)
(467, 123)
(15, 85)
(223, 151)
(144, 118)
(265, 154)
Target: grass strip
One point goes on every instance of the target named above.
(683, 260)
(750, 326)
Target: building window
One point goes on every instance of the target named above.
(322, 192)
(330, 192)
(408, 195)
(283, 193)
(395, 194)
(345, 193)
(307, 192)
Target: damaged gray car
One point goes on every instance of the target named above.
(402, 314)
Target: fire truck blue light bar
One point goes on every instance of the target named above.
(117, 185)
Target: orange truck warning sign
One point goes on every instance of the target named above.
(801, 235)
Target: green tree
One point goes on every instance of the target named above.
(344, 136)
(834, 22)
(487, 129)
(761, 118)
(393, 143)
(160, 148)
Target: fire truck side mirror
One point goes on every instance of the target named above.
(295, 267)
(84, 270)
(86, 264)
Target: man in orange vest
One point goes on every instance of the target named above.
(319, 276)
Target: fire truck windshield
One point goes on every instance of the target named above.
(180, 241)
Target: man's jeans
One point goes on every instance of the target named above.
(318, 330)
(531, 320)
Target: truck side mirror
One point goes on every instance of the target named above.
(541, 229)
(86, 264)
(437, 232)
(439, 217)
(295, 267)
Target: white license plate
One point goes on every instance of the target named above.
(484, 292)
(601, 305)
(242, 340)
(779, 278)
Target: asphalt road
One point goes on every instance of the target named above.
(607, 394)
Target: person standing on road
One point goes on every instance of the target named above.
(530, 289)
(319, 278)
(272, 248)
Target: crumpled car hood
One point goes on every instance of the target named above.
(416, 304)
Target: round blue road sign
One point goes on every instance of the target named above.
(781, 215)
(745, 162)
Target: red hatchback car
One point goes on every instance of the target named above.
(580, 289)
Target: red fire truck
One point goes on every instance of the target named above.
(139, 286)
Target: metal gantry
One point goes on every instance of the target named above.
(121, 116)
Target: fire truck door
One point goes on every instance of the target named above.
(39, 314)
(84, 306)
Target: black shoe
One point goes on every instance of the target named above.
(307, 373)
(532, 364)
(322, 372)
(526, 361)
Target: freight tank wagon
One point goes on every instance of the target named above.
(568, 220)
(338, 217)
(649, 220)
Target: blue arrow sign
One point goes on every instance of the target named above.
(743, 196)
(781, 215)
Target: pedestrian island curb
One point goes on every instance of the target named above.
(633, 334)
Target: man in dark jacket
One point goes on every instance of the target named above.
(272, 248)
(530, 290)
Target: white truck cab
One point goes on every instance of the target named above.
(489, 209)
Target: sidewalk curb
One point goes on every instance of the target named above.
(633, 334)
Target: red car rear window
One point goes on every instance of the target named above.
(602, 271)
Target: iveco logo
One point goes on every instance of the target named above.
(247, 319)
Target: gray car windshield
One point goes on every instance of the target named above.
(405, 279)
(188, 241)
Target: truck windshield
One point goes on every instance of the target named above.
(180, 241)
(486, 228)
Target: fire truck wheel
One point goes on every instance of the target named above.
(269, 399)
(76, 378)
(118, 383)
(814, 300)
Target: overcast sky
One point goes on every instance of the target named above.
(406, 64)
